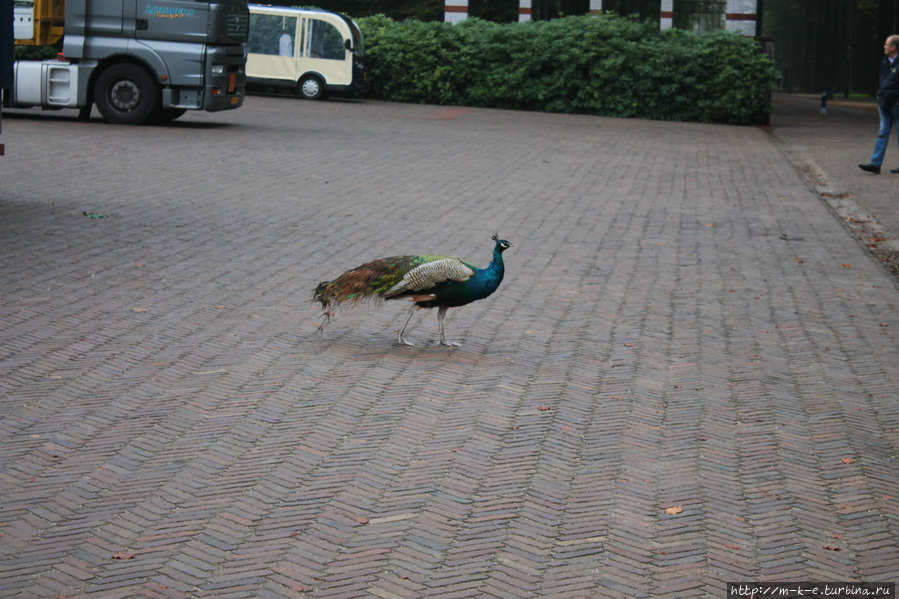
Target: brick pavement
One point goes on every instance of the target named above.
(684, 324)
(828, 149)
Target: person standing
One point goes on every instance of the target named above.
(888, 104)
(285, 44)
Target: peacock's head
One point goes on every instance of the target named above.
(501, 244)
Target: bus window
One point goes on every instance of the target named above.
(325, 41)
(358, 44)
(271, 34)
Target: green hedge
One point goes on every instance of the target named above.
(603, 65)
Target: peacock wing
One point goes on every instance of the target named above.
(431, 271)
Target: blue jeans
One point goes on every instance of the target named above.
(887, 120)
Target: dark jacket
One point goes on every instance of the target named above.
(888, 93)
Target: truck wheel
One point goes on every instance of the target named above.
(311, 88)
(126, 94)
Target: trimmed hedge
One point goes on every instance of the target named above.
(604, 65)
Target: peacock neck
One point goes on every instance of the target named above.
(496, 267)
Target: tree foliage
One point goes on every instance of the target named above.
(603, 65)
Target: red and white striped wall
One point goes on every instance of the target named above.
(740, 15)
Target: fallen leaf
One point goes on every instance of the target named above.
(141, 310)
(832, 548)
(846, 265)
(847, 460)
(799, 260)
(360, 520)
(122, 555)
(674, 509)
(139, 265)
(544, 408)
(220, 307)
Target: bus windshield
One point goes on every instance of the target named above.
(358, 44)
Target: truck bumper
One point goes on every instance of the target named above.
(226, 78)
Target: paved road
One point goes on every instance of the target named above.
(828, 148)
(687, 378)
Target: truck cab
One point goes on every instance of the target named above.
(139, 61)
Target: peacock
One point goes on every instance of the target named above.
(428, 281)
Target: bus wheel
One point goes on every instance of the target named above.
(311, 88)
(126, 94)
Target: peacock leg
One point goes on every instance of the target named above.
(415, 308)
(441, 312)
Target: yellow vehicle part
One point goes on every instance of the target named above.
(48, 18)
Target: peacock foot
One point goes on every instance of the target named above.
(326, 318)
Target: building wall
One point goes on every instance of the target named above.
(455, 10)
(666, 17)
(741, 16)
(524, 10)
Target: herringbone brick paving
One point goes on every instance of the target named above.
(684, 324)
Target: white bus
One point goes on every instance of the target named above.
(310, 51)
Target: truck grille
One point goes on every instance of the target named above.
(238, 25)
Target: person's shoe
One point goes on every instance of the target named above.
(895, 171)
(870, 168)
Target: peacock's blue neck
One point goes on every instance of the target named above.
(484, 282)
(496, 265)
(494, 272)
